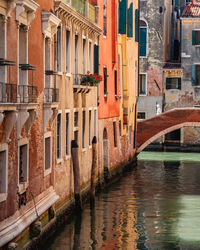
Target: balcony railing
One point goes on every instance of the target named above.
(84, 8)
(27, 93)
(51, 95)
(8, 93)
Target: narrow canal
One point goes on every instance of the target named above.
(154, 206)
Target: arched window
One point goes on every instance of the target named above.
(143, 38)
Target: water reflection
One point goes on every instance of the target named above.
(155, 206)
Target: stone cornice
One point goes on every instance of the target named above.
(70, 13)
(28, 6)
(50, 23)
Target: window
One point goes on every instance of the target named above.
(104, 17)
(76, 59)
(114, 134)
(122, 16)
(173, 83)
(2, 48)
(58, 141)
(141, 115)
(96, 58)
(68, 51)
(23, 56)
(83, 129)
(196, 37)
(84, 56)
(90, 57)
(119, 74)
(23, 164)
(142, 84)
(137, 25)
(3, 172)
(95, 122)
(105, 79)
(143, 38)
(47, 153)
(120, 128)
(58, 51)
(196, 75)
(67, 133)
(115, 79)
(90, 127)
(47, 49)
(76, 121)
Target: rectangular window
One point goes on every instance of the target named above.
(76, 122)
(90, 127)
(141, 115)
(58, 141)
(143, 41)
(120, 128)
(104, 17)
(196, 37)
(90, 57)
(23, 54)
(84, 56)
(96, 58)
(130, 21)
(95, 122)
(47, 62)
(142, 84)
(3, 175)
(105, 79)
(47, 153)
(114, 134)
(68, 51)
(173, 83)
(115, 82)
(2, 48)
(120, 71)
(137, 25)
(58, 56)
(76, 60)
(196, 75)
(76, 119)
(83, 129)
(23, 164)
(67, 133)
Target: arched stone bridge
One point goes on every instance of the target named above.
(148, 130)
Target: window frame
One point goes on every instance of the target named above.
(3, 195)
(142, 27)
(195, 41)
(67, 155)
(143, 73)
(68, 52)
(177, 83)
(48, 170)
(59, 158)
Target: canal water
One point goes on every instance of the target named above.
(154, 206)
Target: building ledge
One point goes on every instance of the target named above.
(11, 227)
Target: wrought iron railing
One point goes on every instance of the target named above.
(27, 93)
(51, 95)
(8, 93)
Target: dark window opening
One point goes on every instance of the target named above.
(141, 115)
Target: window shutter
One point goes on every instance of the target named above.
(130, 21)
(143, 41)
(96, 58)
(193, 75)
(193, 37)
(179, 83)
(122, 16)
(137, 25)
(168, 81)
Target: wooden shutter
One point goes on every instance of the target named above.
(137, 25)
(143, 41)
(96, 58)
(130, 21)
(193, 37)
(193, 75)
(168, 83)
(122, 16)
(179, 83)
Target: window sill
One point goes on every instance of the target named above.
(83, 149)
(174, 89)
(143, 56)
(3, 197)
(90, 147)
(47, 172)
(22, 187)
(67, 157)
(59, 160)
(60, 73)
(68, 74)
(142, 94)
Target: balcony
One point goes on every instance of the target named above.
(85, 8)
(8, 93)
(51, 95)
(27, 93)
(81, 85)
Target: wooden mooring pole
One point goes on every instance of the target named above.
(76, 170)
(94, 168)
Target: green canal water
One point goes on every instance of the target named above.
(154, 206)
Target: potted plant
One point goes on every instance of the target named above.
(91, 79)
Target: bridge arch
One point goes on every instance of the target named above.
(150, 129)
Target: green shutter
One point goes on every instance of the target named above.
(96, 58)
(143, 41)
(137, 25)
(193, 37)
(193, 75)
(179, 83)
(122, 16)
(168, 83)
(130, 21)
